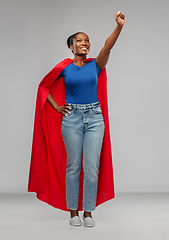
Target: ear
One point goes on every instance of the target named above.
(71, 47)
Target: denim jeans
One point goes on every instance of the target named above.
(82, 131)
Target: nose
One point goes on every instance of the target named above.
(84, 43)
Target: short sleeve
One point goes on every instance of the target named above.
(97, 68)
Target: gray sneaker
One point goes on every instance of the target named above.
(75, 221)
(88, 222)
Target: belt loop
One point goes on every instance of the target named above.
(75, 108)
(92, 107)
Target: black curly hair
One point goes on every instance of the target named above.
(70, 39)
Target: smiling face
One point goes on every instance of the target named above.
(81, 45)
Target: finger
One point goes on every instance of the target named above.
(63, 113)
(117, 15)
(122, 16)
(67, 107)
(65, 110)
(120, 19)
(123, 21)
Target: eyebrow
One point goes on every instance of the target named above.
(81, 38)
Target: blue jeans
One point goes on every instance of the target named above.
(82, 131)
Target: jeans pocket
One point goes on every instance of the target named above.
(69, 113)
(97, 109)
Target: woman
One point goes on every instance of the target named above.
(83, 129)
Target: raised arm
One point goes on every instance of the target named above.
(102, 58)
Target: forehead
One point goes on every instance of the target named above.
(82, 35)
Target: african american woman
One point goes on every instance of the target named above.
(71, 164)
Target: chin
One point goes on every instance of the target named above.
(82, 54)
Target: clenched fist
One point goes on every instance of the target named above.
(120, 18)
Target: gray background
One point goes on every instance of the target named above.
(33, 41)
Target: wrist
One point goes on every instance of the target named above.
(56, 107)
(119, 26)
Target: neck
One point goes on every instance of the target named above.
(79, 61)
(79, 57)
(76, 60)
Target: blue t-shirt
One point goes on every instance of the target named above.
(81, 82)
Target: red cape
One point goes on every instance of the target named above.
(48, 160)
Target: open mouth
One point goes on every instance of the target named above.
(84, 48)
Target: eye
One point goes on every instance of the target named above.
(87, 40)
(78, 40)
